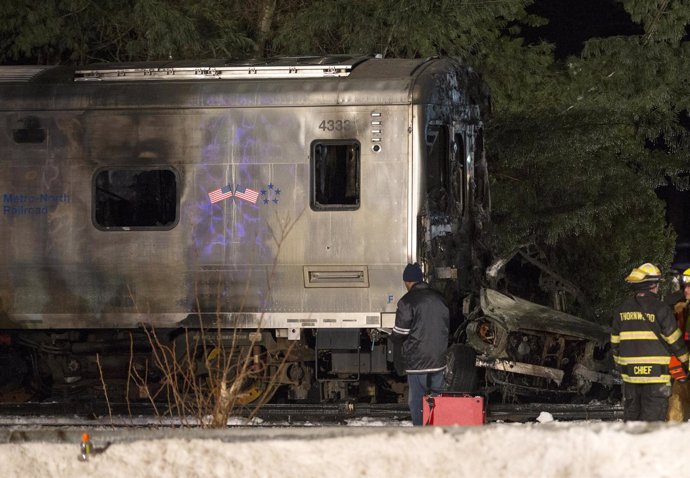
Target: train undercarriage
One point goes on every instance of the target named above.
(242, 368)
(506, 347)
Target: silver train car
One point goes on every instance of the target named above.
(277, 201)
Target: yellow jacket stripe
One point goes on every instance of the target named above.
(638, 335)
(660, 360)
(673, 337)
(615, 339)
(633, 379)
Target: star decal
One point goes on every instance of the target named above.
(270, 194)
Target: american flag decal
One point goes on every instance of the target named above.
(247, 194)
(220, 194)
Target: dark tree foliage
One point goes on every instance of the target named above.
(86, 31)
(577, 146)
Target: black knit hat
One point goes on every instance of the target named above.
(413, 273)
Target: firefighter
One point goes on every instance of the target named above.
(644, 336)
(679, 402)
(681, 308)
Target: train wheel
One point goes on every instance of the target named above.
(257, 393)
(254, 388)
(461, 371)
(16, 394)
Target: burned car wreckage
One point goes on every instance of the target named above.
(521, 349)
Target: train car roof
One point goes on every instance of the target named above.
(286, 81)
(181, 70)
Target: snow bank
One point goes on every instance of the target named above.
(553, 449)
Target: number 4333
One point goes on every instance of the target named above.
(335, 125)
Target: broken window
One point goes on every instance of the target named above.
(459, 177)
(335, 175)
(437, 167)
(135, 198)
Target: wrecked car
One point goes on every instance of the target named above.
(518, 348)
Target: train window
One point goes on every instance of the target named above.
(32, 132)
(481, 195)
(458, 178)
(437, 165)
(479, 145)
(135, 198)
(335, 167)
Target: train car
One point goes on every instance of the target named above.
(274, 202)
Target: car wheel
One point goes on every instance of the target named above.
(461, 371)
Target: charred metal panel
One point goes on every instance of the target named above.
(522, 368)
(518, 314)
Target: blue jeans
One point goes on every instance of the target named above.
(421, 384)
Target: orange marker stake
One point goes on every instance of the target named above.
(85, 447)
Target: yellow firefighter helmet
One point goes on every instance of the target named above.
(647, 272)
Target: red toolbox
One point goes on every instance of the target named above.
(448, 409)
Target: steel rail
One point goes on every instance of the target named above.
(66, 414)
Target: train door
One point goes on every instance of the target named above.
(454, 211)
(446, 178)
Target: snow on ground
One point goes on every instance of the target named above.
(534, 450)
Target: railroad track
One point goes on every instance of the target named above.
(67, 414)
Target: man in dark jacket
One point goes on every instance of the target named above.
(421, 325)
(644, 335)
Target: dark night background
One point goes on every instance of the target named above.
(571, 23)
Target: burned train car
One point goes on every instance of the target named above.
(276, 202)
